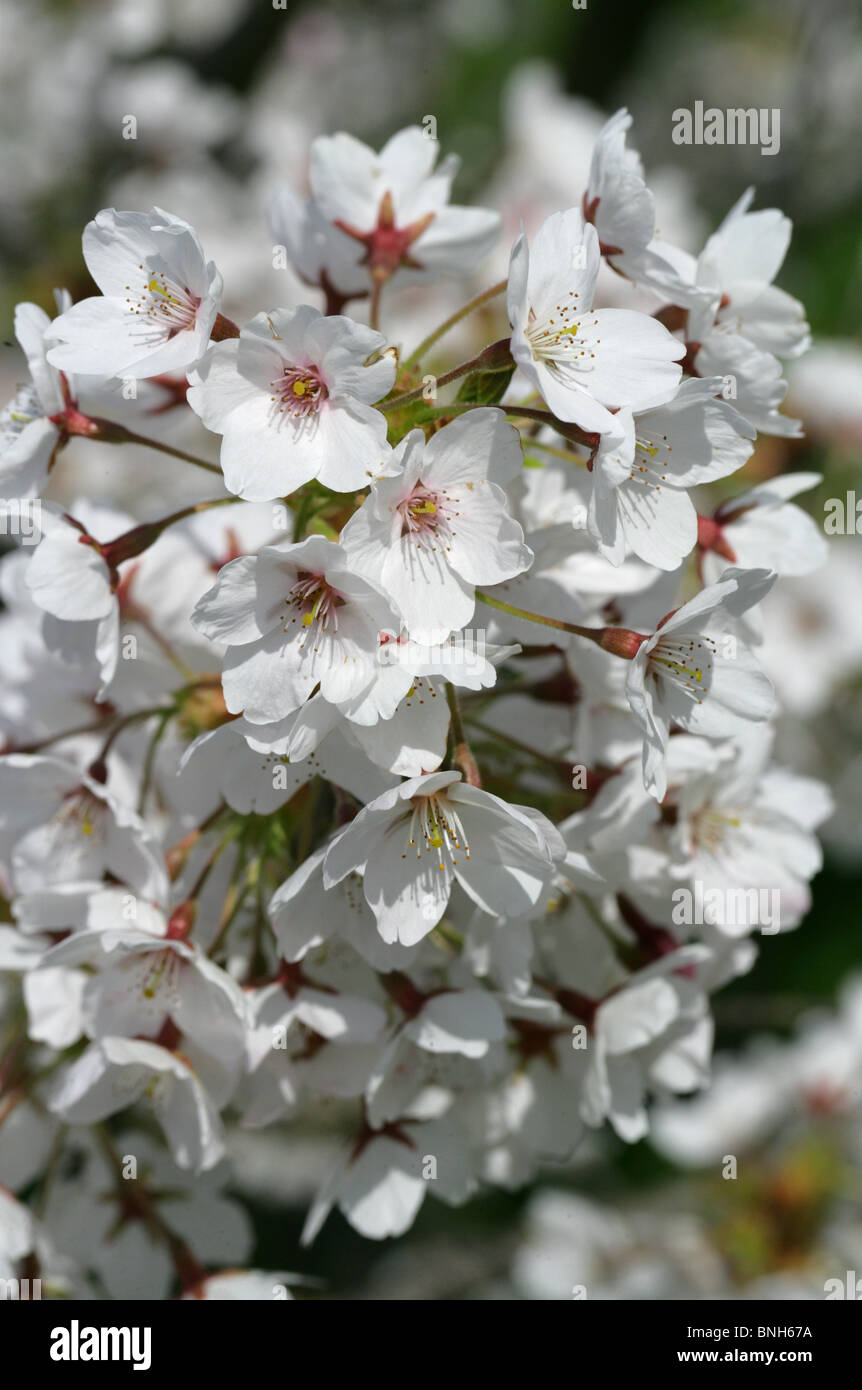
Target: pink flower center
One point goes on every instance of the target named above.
(299, 392)
(426, 517)
(685, 662)
(710, 827)
(84, 813)
(314, 603)
(168, 306)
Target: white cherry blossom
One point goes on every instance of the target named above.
(640, 497)
(159, 298)
(748, 825)
(58, 825)
(738, 264)
(586, 362)
(429, 535)
(294, 617)
(378, 1183)
(654, 1032)
(763, 527)
(695, 672)
(320, 253)
(395, 204)
(755, 377)
(414, 842)
(292, 398)
(28, 438)
(622, 209)
(115, 1073)
(144, 984)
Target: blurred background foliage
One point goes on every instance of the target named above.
(453, 58)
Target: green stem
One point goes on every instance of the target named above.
(150, 758)
(595, 634)
(562, 427)
(455, 408)
(131, 438)
(73, 422)
(305, 837)
(460, 314)
(257, 957)
(448, 937)
(397, 401)
(496, 357)
(317, 526)
(135, 717)
(137, 615)
(109, 432)
(16, 1095)
(50, 1169)
(461, 755)
(302, 515)
(558, 453)
(55, 738)
(210, 864)
(233, 903)
(133, 543)
(556, 763)
(374, 305)
(98, 728)
(544, 417)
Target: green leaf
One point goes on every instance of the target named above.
(415, 415)
(485, 388)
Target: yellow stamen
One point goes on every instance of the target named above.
(156, 288)
(150, 989)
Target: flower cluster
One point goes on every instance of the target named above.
(425, 767)
(780, 1124)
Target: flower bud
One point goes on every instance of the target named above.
(622, 641)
